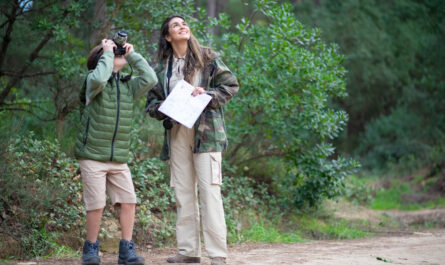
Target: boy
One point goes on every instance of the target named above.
(102, 144)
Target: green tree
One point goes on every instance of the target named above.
(288, 78)
(394, 53)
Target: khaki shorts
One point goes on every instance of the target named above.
(99, 177)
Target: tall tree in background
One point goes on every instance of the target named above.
(214, 8)
(45, 45)
(394, 54)
(288, 77)
(47, 22)
(105, 11)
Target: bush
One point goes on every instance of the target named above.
(398, 142)
(242, 198)
(40, 194)
(154, 220)
(284, 108)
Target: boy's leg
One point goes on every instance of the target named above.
(121, 190)
(127, 220)
(94, 185)
(94, 219)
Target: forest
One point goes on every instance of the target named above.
(332, 92)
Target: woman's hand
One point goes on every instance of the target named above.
(129, 48)
(198, 91)
(108, 45)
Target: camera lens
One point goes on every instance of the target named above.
(119, 51)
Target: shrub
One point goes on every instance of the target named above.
(284, 108)
(40, 193)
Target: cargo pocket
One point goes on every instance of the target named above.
(215, 163)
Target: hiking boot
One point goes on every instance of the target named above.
(127, 255)
(90, 253)
(179, 258)
(218, 261)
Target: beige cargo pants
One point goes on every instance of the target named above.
(187, 170)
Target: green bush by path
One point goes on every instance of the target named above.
(40, 194)
(41, 199)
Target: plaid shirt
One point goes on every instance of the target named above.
(210, 134)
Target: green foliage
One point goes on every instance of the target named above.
(40, 193)
(390, 198)
(288, 77)
(155, 198)
(409, 193)
(331, 228)
(269, 233)
(142, 20)
(285, 110)
(403, 195)
(394, 56)
(358, 190)
(240, 194)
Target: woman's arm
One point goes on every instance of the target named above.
(155, 97)
(223, 85)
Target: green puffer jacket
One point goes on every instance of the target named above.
(104, 131)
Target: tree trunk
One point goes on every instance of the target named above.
(215, 7)
(211, 12)
(15, 79)
(104, 20)
(60, 122)
(7, 36)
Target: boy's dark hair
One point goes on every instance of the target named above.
(94, 56)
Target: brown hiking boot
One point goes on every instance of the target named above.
(184, 259)
(218, 261)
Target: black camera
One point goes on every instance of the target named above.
(120, 39)
(167, 123)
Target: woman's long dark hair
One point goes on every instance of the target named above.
(197, 56)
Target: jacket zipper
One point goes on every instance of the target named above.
(117, 116)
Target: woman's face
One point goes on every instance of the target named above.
(178, 30)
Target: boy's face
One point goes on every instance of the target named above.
(119, 62)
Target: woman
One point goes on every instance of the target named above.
(195, 154)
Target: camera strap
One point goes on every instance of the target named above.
(127, 77)
(169, 72)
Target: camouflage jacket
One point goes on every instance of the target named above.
(210, 134)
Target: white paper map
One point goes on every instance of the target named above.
(182, 107)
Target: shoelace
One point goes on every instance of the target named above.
(92, 249)
(131, 252)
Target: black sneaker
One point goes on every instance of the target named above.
(127, 255)
(90, 253)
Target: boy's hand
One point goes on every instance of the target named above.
(129, 48)
(108, 45)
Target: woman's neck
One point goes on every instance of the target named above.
(180, 49)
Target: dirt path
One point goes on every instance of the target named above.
(414, 248)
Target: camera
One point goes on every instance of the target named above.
(167, 123)
(120, 38)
